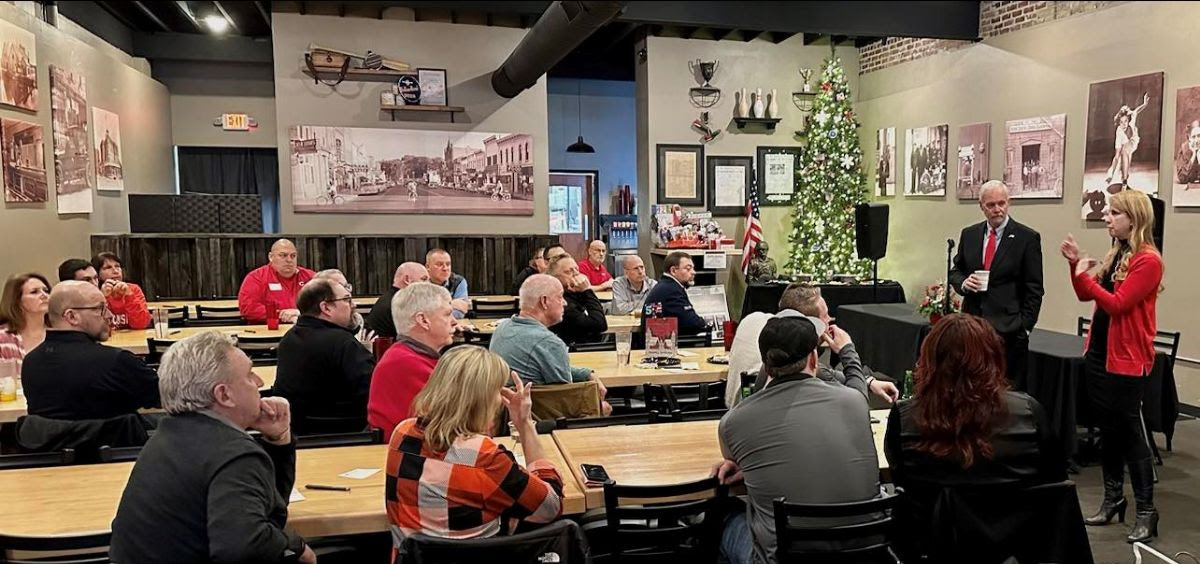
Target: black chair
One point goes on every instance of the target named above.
(857, 532)
(681, 416)
(369, 437)
(494, 309)
(560, 541)
(593, 422)
(64, 457)
(177, 316)
(155, 349)
(694, 341)
(364, 308)
(262, 350)
(691, 397)
(747, 381)
(217, 316)
(641, 527)
(119, 454)
(658, 397)
(90, 549)
(598, 346)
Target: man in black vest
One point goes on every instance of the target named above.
(998, 270)
(203, 489)
(437, 261)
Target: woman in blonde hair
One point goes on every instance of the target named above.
(1120, 352)
(451, 480)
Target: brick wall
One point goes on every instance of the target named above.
(995, 18)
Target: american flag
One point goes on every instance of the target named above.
(753, 234)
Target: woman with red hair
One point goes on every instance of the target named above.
(964, 426)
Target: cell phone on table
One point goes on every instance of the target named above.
(594, 475)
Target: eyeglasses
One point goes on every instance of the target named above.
(347, 299)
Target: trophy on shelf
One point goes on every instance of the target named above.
(804, 98)
(806, 76)
(705, 96)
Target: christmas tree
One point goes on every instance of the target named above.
(828, 185)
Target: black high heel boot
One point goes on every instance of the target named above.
(1141, 479)
(1114, 503)
(1145, 527)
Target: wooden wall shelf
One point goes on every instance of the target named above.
(769, 123)
(359, 75)
(451, 110)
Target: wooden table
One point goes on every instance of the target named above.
(614, 376)
(134, 340)
(663, 453)
(77, 500)
(615, 323)
(10, 411)
(191, 304)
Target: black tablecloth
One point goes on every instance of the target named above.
(765, 297)
(888, 338)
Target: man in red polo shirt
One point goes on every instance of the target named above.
(278, 282)
(594, 268)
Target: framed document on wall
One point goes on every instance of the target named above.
(433, 86)
(777, 167)
(728, 179)
(680, 174)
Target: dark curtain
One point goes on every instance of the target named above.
(233, 170)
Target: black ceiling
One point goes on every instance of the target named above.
(155, 26)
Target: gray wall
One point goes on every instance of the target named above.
(468, 53)
(1039, 71)
(37, 238)
(202, 91)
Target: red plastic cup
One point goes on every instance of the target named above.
(730, 328)
(272, 316)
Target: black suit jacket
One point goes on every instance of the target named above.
(675, 303)
(583, 318)
(71, 377)
(323, 372)
(1014, 296)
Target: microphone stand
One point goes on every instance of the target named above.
(949, 267)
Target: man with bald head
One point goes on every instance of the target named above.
(380, 319)
(630, 290)
(998, 270)
(583, 316)
(277, 282)
(71, 376)
(593, 266)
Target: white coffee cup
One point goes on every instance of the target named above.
(982, 276)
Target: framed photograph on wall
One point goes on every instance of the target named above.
(680, 174)
(728, 180)
(777, 168)
(433, 86)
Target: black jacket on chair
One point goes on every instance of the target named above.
(324, 372)
(1013, 299)
(583, 318)
(675, 303)
(71, 377)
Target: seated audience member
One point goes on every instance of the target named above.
(524, 342)
(771, 437)
(277, 282)
(593, 267)
(379, 319)
(583, 316)
(443, 461)
(125, 299)
(203, 489)
(323, 370)
(802, 299)
(671, 293)
(424, 320)
(553, 252)
(630, 290)
(357, 322)
(537, 265)
(964, 426)
(24, 304)
(71, 376)
(437, 262)
(77, 269)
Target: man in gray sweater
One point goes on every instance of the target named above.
(537, 355)
(799, 438)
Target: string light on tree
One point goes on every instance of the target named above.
(829, 183)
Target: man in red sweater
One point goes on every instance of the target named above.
(125, 299)
(278, 282)
(424, 326)
(594, 268)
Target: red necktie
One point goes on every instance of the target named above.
(990, 251)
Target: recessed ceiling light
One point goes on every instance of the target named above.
(216, 23)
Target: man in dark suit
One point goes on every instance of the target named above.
(1010, 296)
(671, 292)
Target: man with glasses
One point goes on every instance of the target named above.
(630, 291)
(335, 275)
(71, 376)
(324, 372)
(276, 283)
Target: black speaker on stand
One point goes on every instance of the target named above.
(871, 235)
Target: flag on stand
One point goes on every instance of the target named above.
(753, 234)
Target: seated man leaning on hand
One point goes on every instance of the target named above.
(530, 349)
(803, 299)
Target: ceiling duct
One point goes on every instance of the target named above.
(562, 27)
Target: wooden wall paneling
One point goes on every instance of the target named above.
(180, 257)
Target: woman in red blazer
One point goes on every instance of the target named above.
(1120, 352)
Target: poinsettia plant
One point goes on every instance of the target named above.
(934, 300)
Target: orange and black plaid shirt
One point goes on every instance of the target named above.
(467, 491)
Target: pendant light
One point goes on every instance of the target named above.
(579, 146)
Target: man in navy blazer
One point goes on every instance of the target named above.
(1011, 299)
(671, 292)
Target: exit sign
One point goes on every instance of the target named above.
(236, 122)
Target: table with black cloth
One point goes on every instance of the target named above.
(765, 297)
(888, 339)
